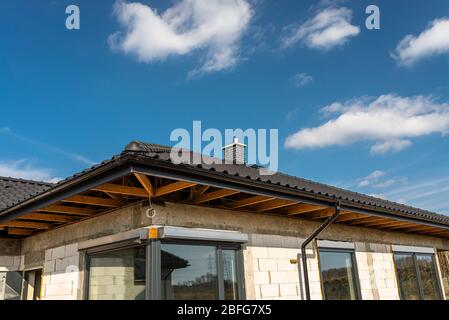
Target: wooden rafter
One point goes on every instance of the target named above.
(396, 225)
(69, 210)
(201, 190)
(351, 216)
(249, 201)
(320, 214)
(368, 220)
(146, 183)
(27, 225)
(301, 208)
(415, 228)
(20, 232)
(94, 201)
(48, 217)
(119, 189)
(173, 187)
(273, 204)
(214, 195)
(115, 197)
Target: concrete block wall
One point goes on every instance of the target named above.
(376, 271)
(11, 263)
(269, 273)
(61, 273)
(113, 277)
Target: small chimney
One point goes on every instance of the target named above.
(234, 153)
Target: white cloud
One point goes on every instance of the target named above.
(392, 145)
(432, 41)
(301, 79)
(331, 27)
(24, 170)
(212, 27)
(377, 179)
(371, 178)
(389, 121)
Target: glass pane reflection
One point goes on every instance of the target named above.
(337, 272)
(189, 272)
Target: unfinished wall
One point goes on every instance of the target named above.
(378, 284)
(112, 278)
(61, 274)
(269, 273)
(376, 271)
(11, 258)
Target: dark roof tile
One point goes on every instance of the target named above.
(13, 190)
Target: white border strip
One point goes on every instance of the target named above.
(397, 248)
(167, 232)
(335, 244)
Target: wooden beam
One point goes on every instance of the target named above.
(69, 210)
(119, 189)
(94, 201)
(172, 187)
(214, 195)
(146, 183)
(301, 208)
(418, 228)
(350, 217)
(249, 201)
(319, 214)
(368, 220)
(201, 190)
(26, 225)
(404, 226)
(115, 197)
(20, 232)
(48, 217)
(273, 204)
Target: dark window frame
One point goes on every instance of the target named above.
(418, 273)
(355, 272)
(88, 253)
(153, 264)
(219, 247)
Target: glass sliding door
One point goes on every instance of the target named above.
(407, 276)
(117, 275)
(417, 276)
(428, 276)
(338, 275)
(189, 272)
(230, 276)
(198, 272)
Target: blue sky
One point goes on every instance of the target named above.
(370, 108)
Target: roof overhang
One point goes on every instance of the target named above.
(229, 192)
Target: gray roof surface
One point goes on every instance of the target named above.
(13, 190)
(162, 153)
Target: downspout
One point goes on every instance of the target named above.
(329, 221)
